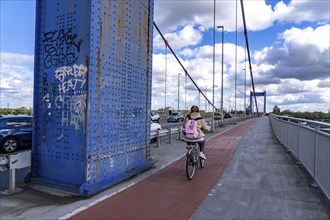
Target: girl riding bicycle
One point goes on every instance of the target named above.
(201, 126)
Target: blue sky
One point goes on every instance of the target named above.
(17, 26)
(289, 42)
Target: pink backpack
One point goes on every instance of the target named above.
(190, 129)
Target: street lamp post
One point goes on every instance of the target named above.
(229, 100)
(235, 64)
(185, 95)
(222, 27)
(205, 99)
(179, 91)
(245, 83)
(244, 93)
(213, 63)
(165, 73)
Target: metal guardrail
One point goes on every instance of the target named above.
(178, 130)
(308, 144)
(12, 162)
(166, 132)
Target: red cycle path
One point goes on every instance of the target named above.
(168, 194)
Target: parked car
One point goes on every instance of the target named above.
(228, 115)
(175, 117)
(15, 133)
(155, 116)
(155, 126)
(217, 116)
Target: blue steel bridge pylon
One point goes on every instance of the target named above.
(257, 94)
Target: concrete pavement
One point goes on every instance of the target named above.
(262, 181)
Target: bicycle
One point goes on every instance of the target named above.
(193, 159)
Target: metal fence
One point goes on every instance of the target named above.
(309, 143)
(168, 133)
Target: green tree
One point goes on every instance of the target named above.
(276, 109)
(22, 111)
(16, 111)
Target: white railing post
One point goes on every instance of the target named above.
(158, 138)
(169, 135)
(15, 161)
(180, 133)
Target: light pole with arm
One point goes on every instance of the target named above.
(222, 27)
(212, 129)
(185, 94)
(165, 72)
(245, 83)
(179, 90)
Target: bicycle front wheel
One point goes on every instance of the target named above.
(202, 162)
(190, 167)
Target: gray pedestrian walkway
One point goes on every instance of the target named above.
(261, 182)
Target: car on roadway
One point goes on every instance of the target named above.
(15, 133)
(228, 115)
(175, 117)
(155, 126)
(217, 116)
(155, 116)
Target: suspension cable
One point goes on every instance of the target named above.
(249, 57)
(184, 69)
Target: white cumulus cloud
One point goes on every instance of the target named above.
(16, 80)
(187, 36)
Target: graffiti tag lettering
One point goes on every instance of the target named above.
(72, 107)
(60, 48)
(70, 77)
(73, 110)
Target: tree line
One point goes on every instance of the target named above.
(16, 111)
(315, 116)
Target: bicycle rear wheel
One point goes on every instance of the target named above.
(190, 167)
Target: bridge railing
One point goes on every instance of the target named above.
(309, 143)
(168, 133)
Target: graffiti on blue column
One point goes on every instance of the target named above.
(71, 77)
(73, 106)
(45, 87)
(67, 94)
(60, 48)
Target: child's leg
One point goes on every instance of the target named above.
(201, 145)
